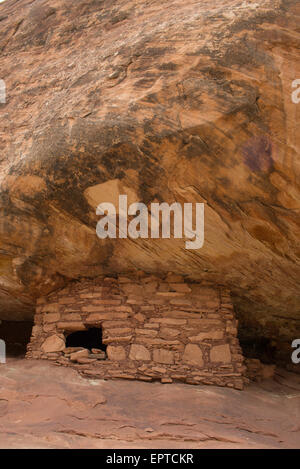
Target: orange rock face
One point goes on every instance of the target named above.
(174, 101)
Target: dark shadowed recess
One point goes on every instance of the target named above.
(16, 336)
(91, 338)
(259, 347)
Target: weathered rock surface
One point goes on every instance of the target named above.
(174, 101)
(63, 410)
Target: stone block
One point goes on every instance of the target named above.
(41, 301)
(140, 317)
(109, 302)
(116, 352)
(51, 308)
(173, 278)
(123, 308)
(135, 300)
(71, 309)
(123, 279)
(150, 287)
(207, 324)
(220, 353)
(97, 317)
(71, 317)
(116, 339)
(147, 332)
(159, 369)
(71, 326)
(168, 333)
(150, 309)
(166, 380)
(151, 325)
(69, 350)
(139, 352)
(36, 331)
(175, 322)
(169, 294)
(86, 360)
(185, 315)
(114, 324)
(49, 327)
(84, 353)
(66, 300)
(193, 355)
(88, 295)
(98, 351)
(163, 287)
(180, 287)
(209, 335)
(132, 289)
(184, 301)
(94, 309)
(54, 343)
(118, 331)
(231, 330)
(163, 356)
(156, 341)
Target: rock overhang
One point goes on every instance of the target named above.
(173, 122)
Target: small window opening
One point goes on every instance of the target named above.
(89, 339)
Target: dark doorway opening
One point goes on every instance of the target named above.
(91, 338)
(258, 347)
(16, 336)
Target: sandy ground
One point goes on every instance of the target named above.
(45, 406)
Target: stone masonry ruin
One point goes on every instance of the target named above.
(141, 327)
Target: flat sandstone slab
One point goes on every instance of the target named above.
(67, 411)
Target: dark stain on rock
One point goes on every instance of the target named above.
(244, 53)
(257, 153)
(84, 79)
(157, 51)
(168, 66)
(92, 155)
(268, 17)
(121, 16)
(32, 272)
(145, 82)
(196, 147)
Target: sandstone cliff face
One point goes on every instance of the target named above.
(175, 101)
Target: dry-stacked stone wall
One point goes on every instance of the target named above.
(154, 328)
